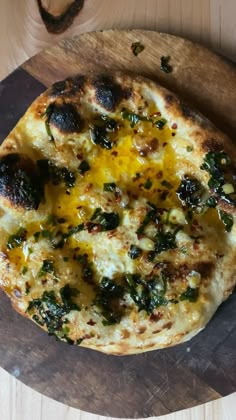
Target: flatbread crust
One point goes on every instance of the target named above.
(124, 145)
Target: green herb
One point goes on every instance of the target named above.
(83, 167)
(50, 311)
(86, 268)
(79, 341)
(151, 216)
(148, 184)
(134, 118)
(221, 171)
(51, 220)
(189, 148)
(163, 242)
(147, 294)
(165, 66)
(36, 236)
(48, 113)
(190, 191)
(166, 184)
(137, 48)
(107, 298)
(15, 240)
(45, 233)
(109, 186)
(30, 250)
(51, 172)
(184, 250)
(190, 294)
(47, 267)
(107, 221)
(101, 129)
(227, 219)
(24, 270)
(160, 123)
(96, 212)
(65, 259)
(134, 252)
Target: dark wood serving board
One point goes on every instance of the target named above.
(157, 382)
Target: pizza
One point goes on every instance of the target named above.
(118, 205)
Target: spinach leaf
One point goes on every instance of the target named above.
(16, 240)
(190, 294)
(107, 296)
(227, 219)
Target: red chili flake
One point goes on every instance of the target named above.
(195, 246)
(173, 134)
(159, 175)
(79, 156)
(155, 317)
(44, 281)
(114, 153)
(91, 322)
(164, 144)
(174, 126)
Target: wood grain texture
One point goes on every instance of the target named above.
(209, 22)
(19, 402)
(22, 34)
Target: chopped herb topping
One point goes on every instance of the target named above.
(48, 113)
(109, 186)
(220, 168)
(50, 311)
(56, 175)
(83, 167)
(107, 221)
(36, 236)
(189, 148)
(134, 252)
(165, 66)
(16, 240)
(100, 130)
(107, 298)
(147, 294)
(47, 267)
(166, 184)
(137, 48)
(134, 118)
(190, 294)
(163, 242)
(160, 123)
(24, 270)
(227, 219)
(190, 192)
(148, 184)
(151, 216)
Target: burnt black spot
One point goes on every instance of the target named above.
(68, 87)
(19, 181)
(108, 93)
(66, 118)
(58, 88)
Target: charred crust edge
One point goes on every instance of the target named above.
(66, 118)
(19, 182)
(108, 92)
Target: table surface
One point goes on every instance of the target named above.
(22, 34)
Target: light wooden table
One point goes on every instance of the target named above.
(22, 34)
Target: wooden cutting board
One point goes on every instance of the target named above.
(157, 382)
